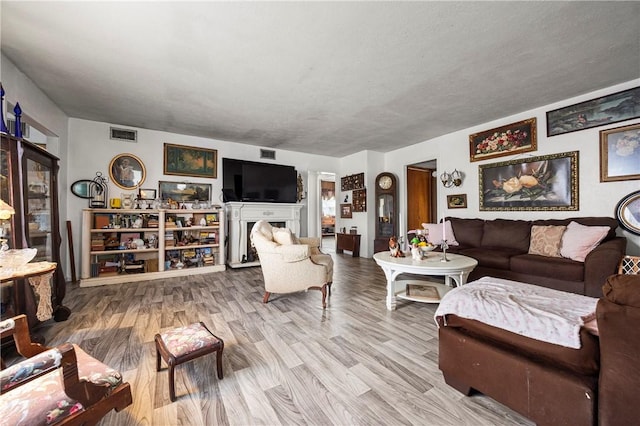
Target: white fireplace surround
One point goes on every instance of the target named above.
(240, 214)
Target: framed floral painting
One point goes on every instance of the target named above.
(457, 201)
(620, 153)
(511, 139)
(547, 182)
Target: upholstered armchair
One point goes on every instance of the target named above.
(61, 385)
(291, 264)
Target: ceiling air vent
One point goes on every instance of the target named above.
(268, 153)
(123, 134)
(11, 125)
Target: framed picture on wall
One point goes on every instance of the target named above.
(346, 211)
(609, 109)
(457, 201)
(190, 161)
(511, 139)
(620, 153)
(628, 212)
(127, 171)
(184, 192)
(547, 182)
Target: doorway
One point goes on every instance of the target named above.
(422, 194)
(328, 210)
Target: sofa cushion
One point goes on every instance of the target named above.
(282, 236)
(578, 240)
(491, 257)
(544, 266)
(545, 240)
(514, 234)
(468, 232)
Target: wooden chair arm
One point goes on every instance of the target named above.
(21, 337)
(87, 393)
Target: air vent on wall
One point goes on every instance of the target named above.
(268, 153)
(11, 125)
(123, 134)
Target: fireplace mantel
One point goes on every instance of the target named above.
(240, 215)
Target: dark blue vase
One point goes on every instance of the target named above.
(18, 112)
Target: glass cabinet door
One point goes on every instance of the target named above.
(38, 208)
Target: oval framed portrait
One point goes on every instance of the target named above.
(628, 212)
(127, 171)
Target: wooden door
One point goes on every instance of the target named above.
(421, 196)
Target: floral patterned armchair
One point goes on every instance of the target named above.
(291, 264)
(60, 385)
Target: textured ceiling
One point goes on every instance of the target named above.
(328, 78)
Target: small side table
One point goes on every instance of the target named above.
(349, 242)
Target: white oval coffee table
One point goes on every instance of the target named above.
(457, 268)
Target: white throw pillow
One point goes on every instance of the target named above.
(578, 240)
(282, 236)
(435, 233)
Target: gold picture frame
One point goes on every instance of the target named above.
(127, 171)
(620, 153)
(511, 139)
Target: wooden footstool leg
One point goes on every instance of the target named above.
(219, 359)
(172, 382)
(183, 344)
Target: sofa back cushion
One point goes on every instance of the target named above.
(513, 234)
(468, 232)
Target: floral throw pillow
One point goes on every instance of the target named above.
(546, 240)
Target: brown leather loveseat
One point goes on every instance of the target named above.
(501, 248)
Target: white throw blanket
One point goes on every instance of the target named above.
(537, 312)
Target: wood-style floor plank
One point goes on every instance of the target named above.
(285, 362)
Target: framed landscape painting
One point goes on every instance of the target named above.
(607, 109)
(184, 192)
(620, 153)
(190, 161)
(547, 182)
(511, 139)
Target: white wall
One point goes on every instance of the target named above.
(92, 151)
(452, 151)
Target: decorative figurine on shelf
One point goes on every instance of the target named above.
(3, 127)
(394, 247)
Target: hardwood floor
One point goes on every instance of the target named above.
(285, 362)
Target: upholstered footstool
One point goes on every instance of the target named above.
(183, 344)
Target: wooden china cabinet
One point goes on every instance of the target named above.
(29, 183)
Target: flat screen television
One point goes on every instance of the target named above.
(251, 181)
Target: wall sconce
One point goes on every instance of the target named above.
(451, 179)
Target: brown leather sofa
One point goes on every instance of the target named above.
(551, 384)
(501, 248)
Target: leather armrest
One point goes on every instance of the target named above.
(602, 262)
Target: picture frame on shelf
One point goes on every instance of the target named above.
(457, 201)
(127, 171)
(608, 109)
(346, 211)
(184, 191)
(620, 153)
(193, 161)
(146, 194)
(514, 138)
(628, 212)
(543, 183)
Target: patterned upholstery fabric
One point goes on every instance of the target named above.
(43, 401)
(545, 240)
(34, 366)
(184, 340)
